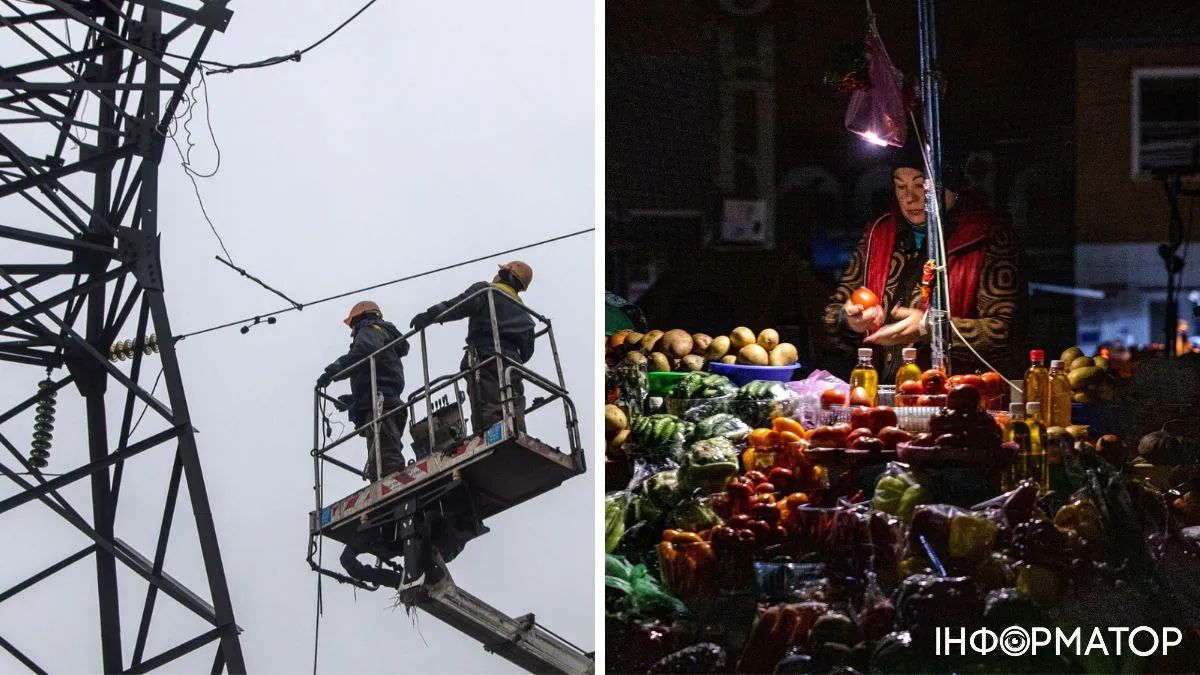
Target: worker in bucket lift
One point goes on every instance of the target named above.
(516, 328)
(370, 333)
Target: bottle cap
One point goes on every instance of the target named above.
(1033, 407)
(865, 353)
(1037, 355)
(909, 353)
(1056, 364)
(1016, 409)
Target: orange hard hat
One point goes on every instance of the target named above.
(523, 272)
(361, 308)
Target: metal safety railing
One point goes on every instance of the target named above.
(508, 369)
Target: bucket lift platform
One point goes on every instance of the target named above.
(435, 505)
(499, 472)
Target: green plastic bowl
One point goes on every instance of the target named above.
(662, 382)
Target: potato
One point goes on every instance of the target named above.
(753, 354)
(740, 337)
(1078, 431)
(1070, 355)
(617, 441)
(691, 363)
(784, 354)
(650, 341)
(1084, 377)
(718, 349)
(1081, 362)
(700, 343)
(1100, 362)
(635, 357)
(658, 363)
(617, 339)
(768, 339)
(676, 343)
(633, 339)
(729, 359)
(615, 421)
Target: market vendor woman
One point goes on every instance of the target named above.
(985, 288)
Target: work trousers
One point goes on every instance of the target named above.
(391, 444)
(483, 388)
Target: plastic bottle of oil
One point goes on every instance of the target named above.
(1037, 380)
(865, 376)
(1017, 431)
(1060, 397)
(1039, 467)
(910, 371)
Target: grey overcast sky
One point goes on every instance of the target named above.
(421, 135)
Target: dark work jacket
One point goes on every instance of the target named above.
(370, 335)
(515, 326)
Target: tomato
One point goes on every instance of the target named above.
(993, 384)
(860, 418)
(893, 436)
(843, 429)
(880, 417)
(864, 297)
(910, 387)
(825, 437)
(963, 397)
(832, 397)
(933, 381)
(975, 381)
(861, 432)
(859, 396)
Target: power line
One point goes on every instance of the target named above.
(386, 283)
(220, 67)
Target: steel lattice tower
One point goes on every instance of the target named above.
(81, 219)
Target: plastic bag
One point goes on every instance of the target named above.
(877, 113)
(628, 380)
(899, 491)
(808, 395)
(614, 519)
(761, 401)
(632, 592)
(696, 409)
(722, 425)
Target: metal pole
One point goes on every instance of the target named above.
(376, 409)
(939, 310)
(430, 427)
(501, 376)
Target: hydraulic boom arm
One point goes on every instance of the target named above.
(520, 641)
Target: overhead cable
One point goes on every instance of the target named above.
(298, 306)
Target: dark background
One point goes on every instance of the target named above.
(711, 100)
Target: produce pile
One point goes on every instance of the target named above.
(679, 350)
(1092, 381)
(738, 540)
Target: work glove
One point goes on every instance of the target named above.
(343, 402)
(423, 319)
(325, 379)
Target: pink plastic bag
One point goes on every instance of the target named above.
(877, 112)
